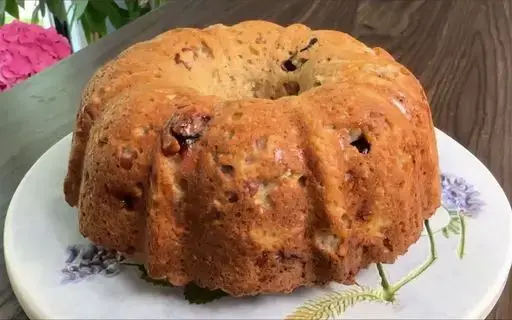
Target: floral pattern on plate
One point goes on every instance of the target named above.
(460, 200)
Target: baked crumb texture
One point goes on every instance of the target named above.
(254, 158)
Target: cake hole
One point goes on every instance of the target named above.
(292, 88)
(128, 202)
(302, 181)
(183, 184)
(102, 141)
(237, 115)
(206, 50)
(360, 143)
(387, 244)
(179, 60)
(288, 66)
(311, 43)
(232, 196)
(227, 169)
(183, 129)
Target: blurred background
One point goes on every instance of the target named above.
(80, 21)
(35, 34)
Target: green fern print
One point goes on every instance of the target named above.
(335, 304)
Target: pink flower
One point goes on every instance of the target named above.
(26, 49)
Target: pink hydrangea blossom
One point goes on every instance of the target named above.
(26, 49)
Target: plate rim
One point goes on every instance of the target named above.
(479, 311)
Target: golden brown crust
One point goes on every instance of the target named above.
(254, 158)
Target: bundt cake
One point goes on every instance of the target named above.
(254, 158)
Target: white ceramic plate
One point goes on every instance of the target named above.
(40, 226)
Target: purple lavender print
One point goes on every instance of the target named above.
(85, 261)
(458, 195)
(461, 200)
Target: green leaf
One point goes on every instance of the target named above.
(144, 276)
(110, 9)
(86, 28)
(42, 7)
(453, 227)
(35, 15)
(11, 7)
(144, 10)
(135, 10)
(193, 293)
(197, 295)
(21, 3)
(96, 23)
(78, 11)
(56, 7)
(2, 12)
(131, 6)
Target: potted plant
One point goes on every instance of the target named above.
(92, 15)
